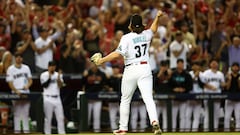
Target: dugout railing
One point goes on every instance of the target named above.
(113, 96)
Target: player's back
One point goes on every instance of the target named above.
(134, 47)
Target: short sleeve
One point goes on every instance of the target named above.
(122, 47)
(43, 78)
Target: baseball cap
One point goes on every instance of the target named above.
(51, 63)
(136, 21)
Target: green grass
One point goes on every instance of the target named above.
(189, 133)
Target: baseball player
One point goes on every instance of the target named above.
(162, 87)
(138, 112)
(213, 80)
(194, 107)
(232, 86)
(52, 81)
(19, 79)
(180, 82)
(133, 47)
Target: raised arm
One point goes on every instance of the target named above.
(154, 25)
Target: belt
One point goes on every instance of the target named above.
(137, 63)
(53, 96)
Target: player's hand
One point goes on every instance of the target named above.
(96, 58)
(18, 92)
(160, 13)
(25, 87)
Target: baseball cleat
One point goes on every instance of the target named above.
(156, 128)
(119, 132)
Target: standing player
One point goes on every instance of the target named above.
(194, 107)
(52, 81)
(213, 80)
(232, 86)
(19, 79)
(137, 73)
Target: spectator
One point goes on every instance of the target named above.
(26, 48)
(234, 51)
(6, 62)
(178, 50)
(5, 38)
(45, 50)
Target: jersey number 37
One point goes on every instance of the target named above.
(141, 50)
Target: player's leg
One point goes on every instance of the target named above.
(189, 110)
(134, 116)
(228, 114)
(143, 116)
(196, 116)
(164, 116)
(25, 116)
(59, 116)
(206, 116)
(90, 109)
(175, 109)
(113, 110)
(237, 115)
(182, 114)
(145, 86)
(128, 87)
(48, 112)
(216, 115)
(16, 116)
(97, 107)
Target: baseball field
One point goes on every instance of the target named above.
(190, 133)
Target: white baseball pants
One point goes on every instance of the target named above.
(231, 106)
(95, 106)
(21, 113)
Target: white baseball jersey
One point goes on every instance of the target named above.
(19, 77)
(41, 60)
(196, 87)
(135, 50)
(214, 79)
(176, 46)
(52, 88)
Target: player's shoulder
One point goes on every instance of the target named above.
(45, 73)
(11, 67)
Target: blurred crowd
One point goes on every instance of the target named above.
(71, 31)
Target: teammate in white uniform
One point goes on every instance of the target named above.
(19, 79)
(137, 73)
(194, 107)
(214, 81)
(52, 81)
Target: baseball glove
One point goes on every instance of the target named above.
(96, 57)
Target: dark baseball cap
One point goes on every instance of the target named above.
(51, 63)
(136, 21)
